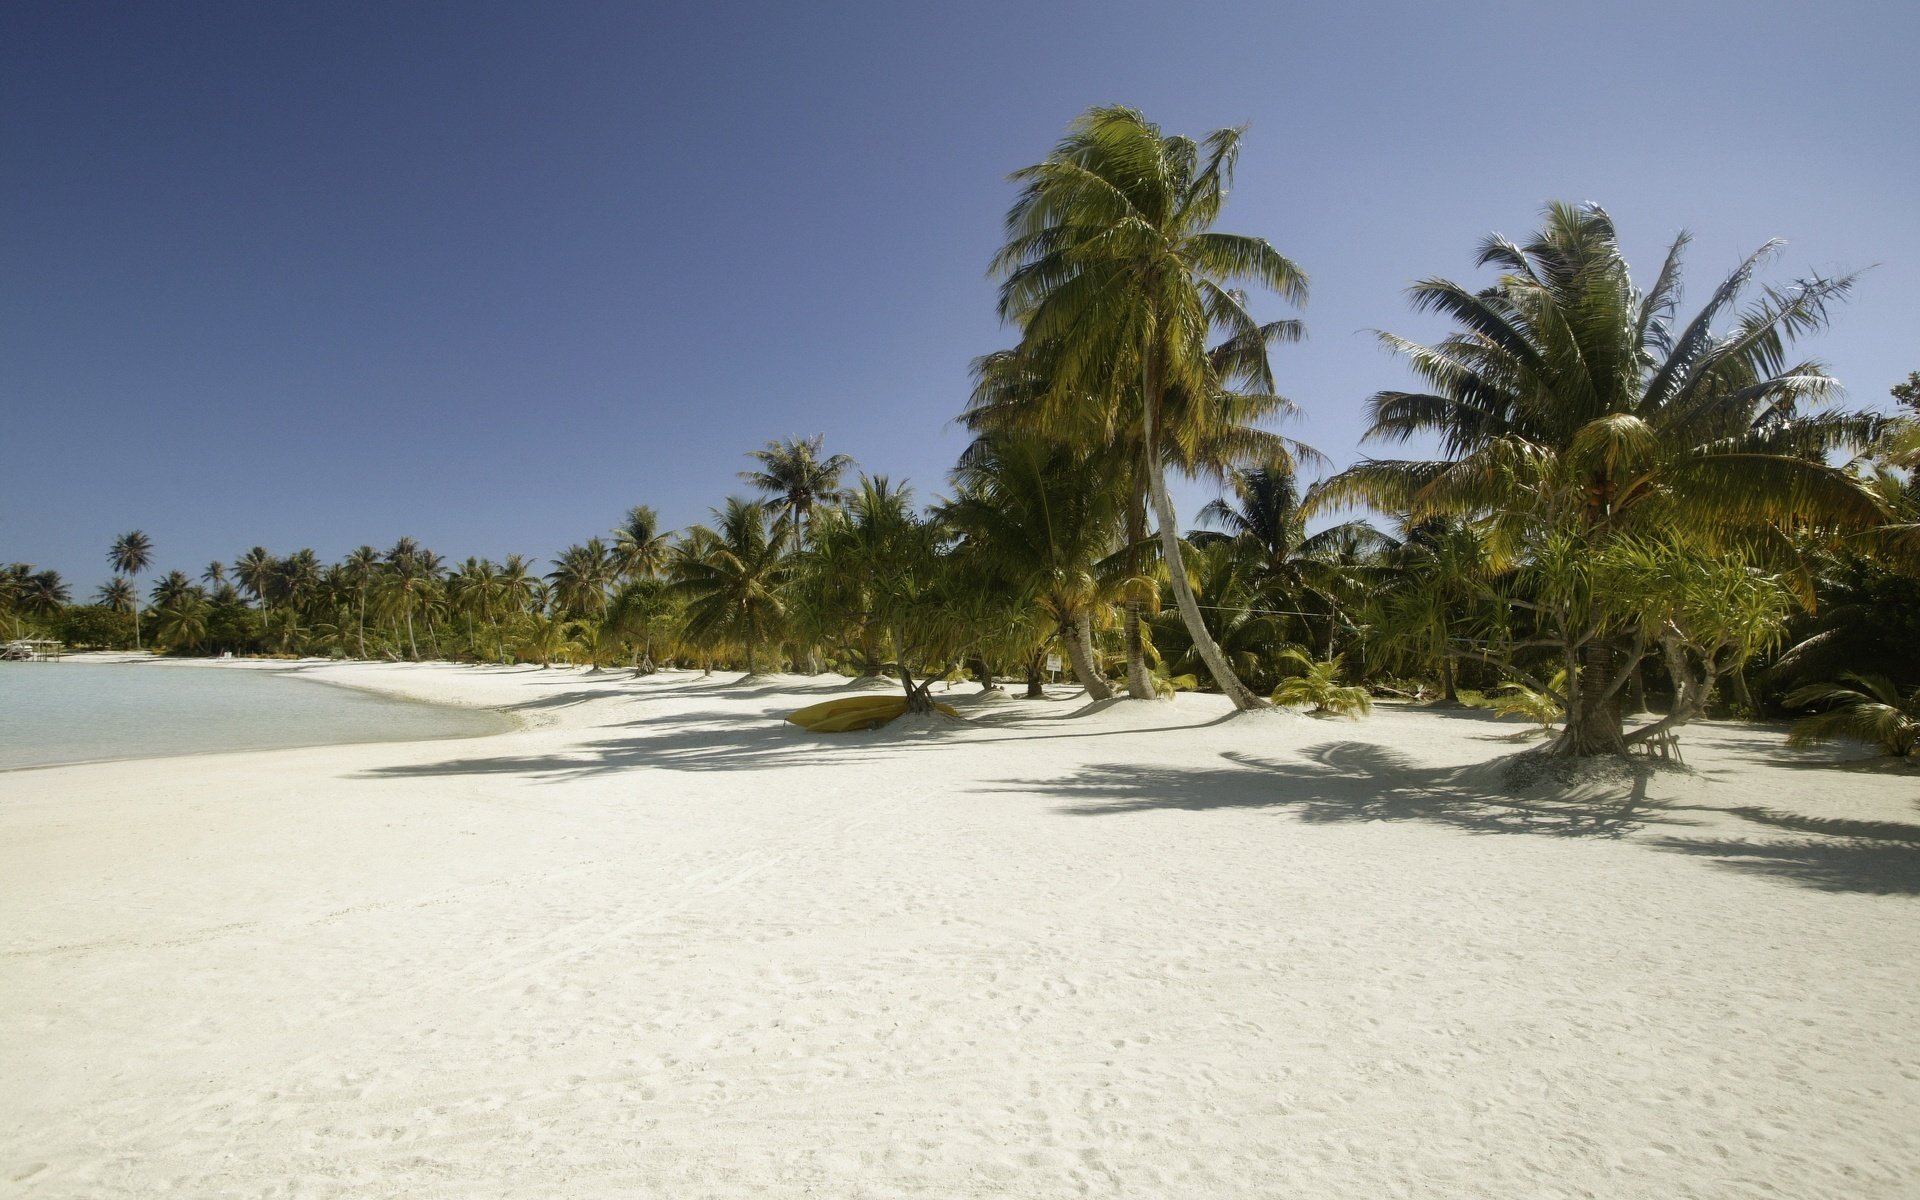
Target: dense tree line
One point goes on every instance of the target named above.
(1634, 514)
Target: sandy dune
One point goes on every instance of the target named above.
(659, 944)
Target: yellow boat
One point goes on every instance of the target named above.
(855, 712)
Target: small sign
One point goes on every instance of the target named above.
(1053, 664)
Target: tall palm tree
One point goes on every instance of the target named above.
(131, 554)
(1571, 405)
(256, 570)
(798, 479)
(639, 548)
(410, 574)
(733, 578)
(215, 576)
(1112, 265)
(581, 576)
(358, 570)
(518, 587)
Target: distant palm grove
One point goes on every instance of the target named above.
(1628, 514)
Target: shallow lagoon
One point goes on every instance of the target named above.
(67, 712)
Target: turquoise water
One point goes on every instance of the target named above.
(80, 712)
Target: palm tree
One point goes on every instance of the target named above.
(639, 548)
(733, 577)
(409, 578)
(358, 570)
(581, 576)
(1265, 518)
(1871, 711)
(131, 554)
(798, 479)
(42, 593)
(215, 576)
(172, 586)
(1572, 405)
(118, 594)
(1112, 268)
(1043, 518)
(181, 621)
(517, 584)
(256, 570)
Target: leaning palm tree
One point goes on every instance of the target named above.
(1871, 711)
(1570, 405)
(798, 479)
(131, 554)
(732, 578)
(1113, 268)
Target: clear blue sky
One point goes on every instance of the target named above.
(488, 274)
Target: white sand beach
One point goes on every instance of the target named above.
(658, 943)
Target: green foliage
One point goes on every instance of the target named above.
(1318, 688)
(1544, 708)
(95, 627)
(1871, 711)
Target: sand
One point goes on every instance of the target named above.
(657, 943)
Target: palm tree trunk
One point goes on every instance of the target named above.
(1076, 636)
(363, 623)
(1229, 683)
(1139, 679)
(1594, 727)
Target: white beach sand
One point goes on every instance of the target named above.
(660, 944)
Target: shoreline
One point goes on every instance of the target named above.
(295, 670)
(667, 945)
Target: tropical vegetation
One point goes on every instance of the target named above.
(1626, 517)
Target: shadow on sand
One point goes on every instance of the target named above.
(1351, 782)
(1358, 782)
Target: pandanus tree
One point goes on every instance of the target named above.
(1113, 271)
(131, 553)
(731, 578)
(798, 478)
(1569, 404)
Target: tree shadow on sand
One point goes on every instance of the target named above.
(1357, 782)
(1885, 868)
(1360, 781)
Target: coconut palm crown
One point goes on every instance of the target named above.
(798, 479)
